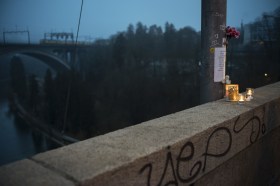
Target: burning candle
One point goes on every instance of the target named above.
(241, 99)
(232, 92)
(249, 93)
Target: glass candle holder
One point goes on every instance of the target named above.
(249, 93)
(231, 92)
(241, 99)
(247, 98)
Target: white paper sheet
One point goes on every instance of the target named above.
(219, 64)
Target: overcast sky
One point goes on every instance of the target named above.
(102, 18)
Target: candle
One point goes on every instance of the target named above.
(247, 98)
(232, 95)
(232, 92)
(249, 93)
(241, 98)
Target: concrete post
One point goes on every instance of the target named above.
(213, 23)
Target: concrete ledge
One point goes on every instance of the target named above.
(26, 172)
(181, 148)
(257, 165)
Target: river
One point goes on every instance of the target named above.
(17, 139)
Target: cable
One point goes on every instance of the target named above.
(81, 10)
(70, 81)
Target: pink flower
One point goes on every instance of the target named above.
(232, 32)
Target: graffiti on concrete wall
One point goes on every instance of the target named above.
(176, 163)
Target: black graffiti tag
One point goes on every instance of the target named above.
(179, 172)
(251, 120)
(184, 159)
(206, 154)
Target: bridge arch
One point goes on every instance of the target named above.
(54, 62)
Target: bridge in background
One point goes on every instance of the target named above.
(59, 56)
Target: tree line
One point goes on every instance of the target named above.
(136, 75)
(254, 59)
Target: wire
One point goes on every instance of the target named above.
(70, 81)
(81, 10)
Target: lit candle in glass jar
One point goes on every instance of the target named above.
(232, 92)
(241, 99)
(249, 93)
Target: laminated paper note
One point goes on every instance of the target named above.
(219, 64)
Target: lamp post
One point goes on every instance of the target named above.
(213, 24)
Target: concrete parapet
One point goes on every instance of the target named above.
(218, 143)
(26, 172)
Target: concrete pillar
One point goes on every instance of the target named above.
(213, 23)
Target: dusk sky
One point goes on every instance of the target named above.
(102, 18)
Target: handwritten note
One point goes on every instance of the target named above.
(219, 64)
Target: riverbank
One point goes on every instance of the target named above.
(17, 139)
(36, 124)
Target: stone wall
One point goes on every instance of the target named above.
(218, 143)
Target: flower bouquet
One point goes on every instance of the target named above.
(231, 32)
